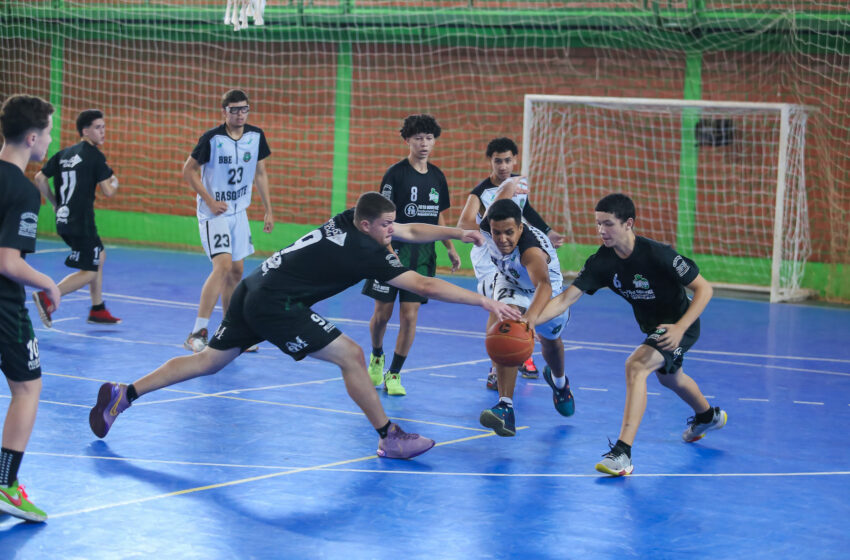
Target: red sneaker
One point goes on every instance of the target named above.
(103, 317)
(529, 370)
(44, 307)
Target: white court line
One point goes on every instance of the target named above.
(597, 475)
(442, 375)
(808, 402)
(593, 389)
(753, 400)
(161, 461)
(52, 402)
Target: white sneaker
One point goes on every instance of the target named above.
(615, 463)
(696, 431)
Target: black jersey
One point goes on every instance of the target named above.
(76, 171)
(323, 263)
(19, 203)
(652, 279)
(486, 191)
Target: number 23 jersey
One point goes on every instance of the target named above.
(228, 167)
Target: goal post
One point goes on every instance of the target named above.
(724, 182)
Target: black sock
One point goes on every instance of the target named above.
(131, 393)
(10, 462)
(624, 447)
(398, 362)
(99, 307)
(377, 351)
(705, 417)
(383, 430)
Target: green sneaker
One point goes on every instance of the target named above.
(14, 501)
(376, 369)
(392, 385)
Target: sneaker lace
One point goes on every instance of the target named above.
(22, 491)
(610, 452)
(692, 421)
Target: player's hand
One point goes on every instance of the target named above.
(556, 238)
(54, 295)
(513, 186)
(501, 310)
(455, 258)
(671, 337)
(530, 325)
(217, 207)
(472, 236)
(268, 222)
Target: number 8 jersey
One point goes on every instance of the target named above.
(228, 167)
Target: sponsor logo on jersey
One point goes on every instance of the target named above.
(681, 266)
(380, 288)
(322, 322)
(224, 196)
(28, 225)
(333, 233)
(225, 159)
(640, 282)
(410, 210)
(434, 196)
(677, 352)
(219, 332)
(246, 156)
(70, 162)
(296, 345)
(387, 191)
(393, 261)
(272, 262)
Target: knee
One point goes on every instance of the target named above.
(382, 314)
(635, 372)
(222, 267)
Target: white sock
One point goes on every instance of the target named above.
(201, 323)
(560, 382)
(507, 400)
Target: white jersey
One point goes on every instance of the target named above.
(228, 167)
(510, 270)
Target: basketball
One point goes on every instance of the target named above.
(509, 343)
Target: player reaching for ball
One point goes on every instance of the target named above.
(528, 275)
(273, 303)
(502, 155)
(652, 277)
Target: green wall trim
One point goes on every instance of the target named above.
(57, 78)
(342, 114)
(689, 157)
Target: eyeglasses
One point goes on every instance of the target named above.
(238, 110)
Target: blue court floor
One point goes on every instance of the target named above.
(270, 458)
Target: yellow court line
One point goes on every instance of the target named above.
(244, 480)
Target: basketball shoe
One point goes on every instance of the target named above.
(500, 419)
(376, 369)
(102, 317)
(529, 370)
(400, 445)
(43, 305)
(615, 462)
(392, 384)
(565, 404)
(111, 401)
(696, 430)
(14, 501)
(196, 341)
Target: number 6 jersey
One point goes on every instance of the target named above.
(228, 167)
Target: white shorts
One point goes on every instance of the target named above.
(227, 234)
(507, 292)
(485, 270)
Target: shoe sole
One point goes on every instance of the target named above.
(96, 422)
(530, 375)
(96, 322)
(492, 421)
(21, 514)
(625, 472)
(702, 435)
(48, 322)
(383, 454)
(395, 392)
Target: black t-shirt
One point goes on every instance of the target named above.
(76, 171)
(652, 279)
(19, 203)
(486, 190)
(323, 263)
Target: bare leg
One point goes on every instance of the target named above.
(96, 285)
(687, 389)
(553, 353)
(230, 282)
(214, 284)
(346, 354)
(379, 320)
(408, 315)
(643, 361)
(506, 380)
(76, 280)
(20, 417)
(179, 369)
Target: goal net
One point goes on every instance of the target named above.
(723, 182)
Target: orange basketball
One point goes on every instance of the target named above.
(509, 343)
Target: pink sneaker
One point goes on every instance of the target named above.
(400, 445)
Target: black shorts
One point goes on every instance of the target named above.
(19, 355)
(254, 316)
(415, 257)
(673, 359)
(85, 251)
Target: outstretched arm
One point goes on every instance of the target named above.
(109, 186)
(427, 233)
(558, 304)
(470, 212)
(434, 288)
(43, 186)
